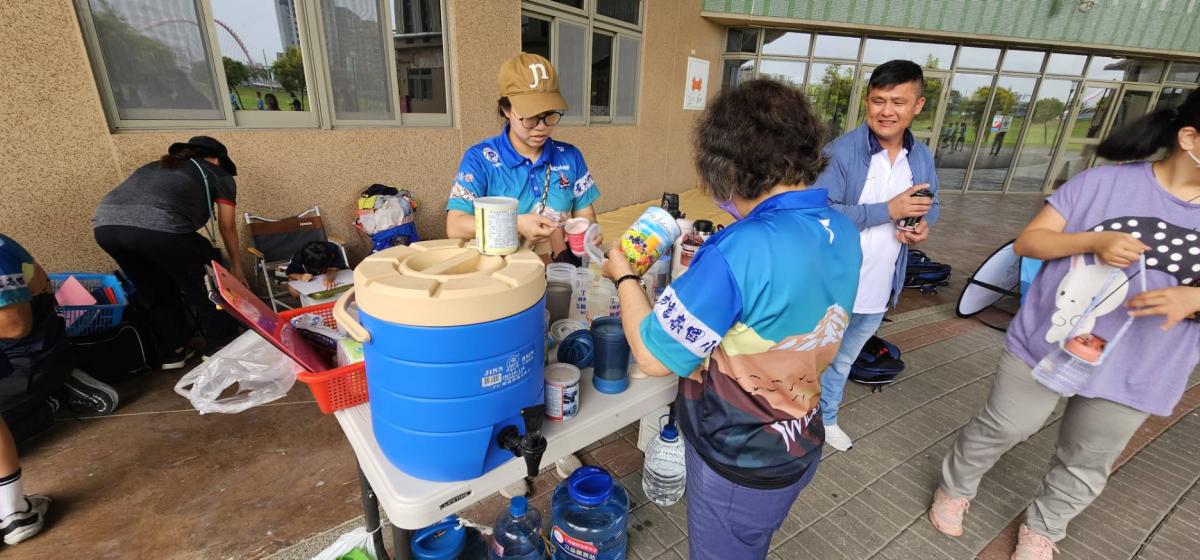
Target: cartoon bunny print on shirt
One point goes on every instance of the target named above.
(1075, 293)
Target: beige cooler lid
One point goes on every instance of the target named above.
(447, 282)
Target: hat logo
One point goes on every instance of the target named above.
(539, 73)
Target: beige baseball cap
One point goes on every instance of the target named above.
(530, 83)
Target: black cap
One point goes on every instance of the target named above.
(207, 146)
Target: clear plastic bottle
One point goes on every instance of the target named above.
(590, 517)
(518, 533)
(664, 476)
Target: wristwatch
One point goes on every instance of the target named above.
(630, 277)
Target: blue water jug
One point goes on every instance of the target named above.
(454, 348)
(518, 533)
(590, 516)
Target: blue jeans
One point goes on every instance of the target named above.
(833, 381)
(729, 521)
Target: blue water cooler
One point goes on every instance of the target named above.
(454, 348)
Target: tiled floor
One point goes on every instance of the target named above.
(159, 481)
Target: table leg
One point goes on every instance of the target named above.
(402, 541)
(371, 515)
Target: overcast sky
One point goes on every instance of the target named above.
(256, 24)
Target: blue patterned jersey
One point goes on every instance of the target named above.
(751, 326)
(494, 168)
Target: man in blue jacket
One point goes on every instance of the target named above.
(872, 174)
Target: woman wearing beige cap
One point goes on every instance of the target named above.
(548, 178)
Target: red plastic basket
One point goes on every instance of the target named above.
(336, 388)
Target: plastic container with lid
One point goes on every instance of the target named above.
(443, 540)
(454, 342)
(518, 533)
(589, 516)
(611, 355)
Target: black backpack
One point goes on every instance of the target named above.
(924, 274)
(115, 355)
(878, 364)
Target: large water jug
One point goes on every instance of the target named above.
(454, 347)
(664, 475)
(590, 517)
(518, 533)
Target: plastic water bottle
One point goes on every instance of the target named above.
(664, 476)
(590, 517)
(518, 533)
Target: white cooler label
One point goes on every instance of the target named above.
(514, 368)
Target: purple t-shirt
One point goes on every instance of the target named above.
(1148, 368)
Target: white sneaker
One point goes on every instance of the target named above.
(567, 465)
(24, 524)
(836, 438)
(518, 488)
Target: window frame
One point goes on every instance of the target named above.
(592, 24)
(317, 76)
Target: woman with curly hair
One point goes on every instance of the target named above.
(753, 322)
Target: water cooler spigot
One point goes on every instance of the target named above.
(532, 445)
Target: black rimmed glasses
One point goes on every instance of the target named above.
(551, 118)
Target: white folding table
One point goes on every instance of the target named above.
(412, 503)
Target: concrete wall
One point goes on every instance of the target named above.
(57, 156)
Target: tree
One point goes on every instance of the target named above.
(289, 70)
(1046, 110)
(236, 74)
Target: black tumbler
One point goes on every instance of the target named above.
(910, 224)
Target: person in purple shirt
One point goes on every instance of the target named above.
(1094, 234)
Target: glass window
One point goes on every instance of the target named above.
(741, 40)
(628, 75)
(788, 43)
(1068, 64)
(569, 61)
(1007, 118)
(1082, 135)
(736, 72)
(836, 46)
(929, 55)
(1125, 69)
(787, 71)
(1184, 72)
(420, 53)
(629, 11)
(158, 63)
(602, 59)
(1023, 61)
(961, 126)
(978, 57)
(1049, 113)
(1172, 97)
(571, 3)
(358, 65)
(535, 36)
(262, 55)
(829, 89)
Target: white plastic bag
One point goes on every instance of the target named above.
(259, 372)
(358, 538)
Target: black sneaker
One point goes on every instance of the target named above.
(22, 525)
(176, 360)
(88, 395)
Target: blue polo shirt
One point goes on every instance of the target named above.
(494, 168)
(761, 311)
